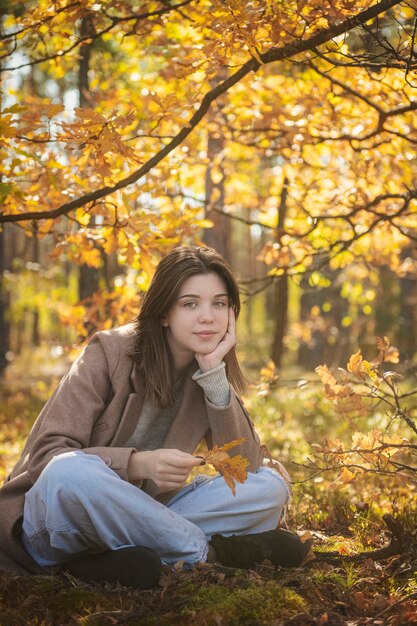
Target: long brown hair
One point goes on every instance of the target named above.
(152, 351)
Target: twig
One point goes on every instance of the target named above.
(402, 541)
(400, 601)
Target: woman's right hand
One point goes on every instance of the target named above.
(168, 468)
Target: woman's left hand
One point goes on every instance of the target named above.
(209, 361)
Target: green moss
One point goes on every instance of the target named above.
(153, 620)
(253, 605)
(36, 600)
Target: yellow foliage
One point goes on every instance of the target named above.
(269, 371)
(110, 240)
(362, 368)
(333, 388)
(346, 476)
(233, 469)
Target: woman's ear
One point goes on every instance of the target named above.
(164, 322)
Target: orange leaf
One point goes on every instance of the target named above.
(383, 343)
(346, 476)
(355, 365)
(231, 444)
(233, 469)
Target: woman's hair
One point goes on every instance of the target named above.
(152, 351)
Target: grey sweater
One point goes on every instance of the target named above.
(154, 422)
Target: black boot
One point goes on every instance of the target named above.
(132, 567)
(279, 546)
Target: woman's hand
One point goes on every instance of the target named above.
(169, 469)
(209, 361)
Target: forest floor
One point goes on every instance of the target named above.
(353, 594)
(343, 589)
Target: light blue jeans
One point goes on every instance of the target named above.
(80, 505)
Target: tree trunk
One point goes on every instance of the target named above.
(407, 318)
(88, 276)
(4, 326)
(36, 338)
(280, 297)
(218, 236)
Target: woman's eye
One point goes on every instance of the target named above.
(220, 304)
(189, 305)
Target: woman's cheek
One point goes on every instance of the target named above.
(225, 324)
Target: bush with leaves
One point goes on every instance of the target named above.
(367, 388)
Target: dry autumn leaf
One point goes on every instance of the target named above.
(346, 476)
(233, 469)
(362, 368)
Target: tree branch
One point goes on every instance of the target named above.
(275, 54)
(139, 17)
(402, 542)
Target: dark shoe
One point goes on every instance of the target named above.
(280, 546)
(132, 567)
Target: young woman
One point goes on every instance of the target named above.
(100, 489)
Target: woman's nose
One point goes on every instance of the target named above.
(206, 314)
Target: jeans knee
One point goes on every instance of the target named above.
(69, 473)
(273, 486)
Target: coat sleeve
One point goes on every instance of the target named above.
(233, 422)
(67, 420)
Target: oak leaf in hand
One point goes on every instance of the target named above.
(233, 469)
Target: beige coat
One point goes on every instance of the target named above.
(95, 408)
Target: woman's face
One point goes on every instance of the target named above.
(198, 319)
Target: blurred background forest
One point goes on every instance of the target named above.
(283, 134)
